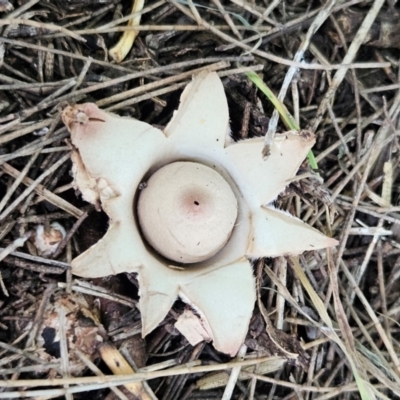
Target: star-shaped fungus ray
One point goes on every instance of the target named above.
(225, 298)
(113, 148)
(262, 179)
(120, 250)
(203, 117)
(111, 177)
(158, 290)
(276, 233)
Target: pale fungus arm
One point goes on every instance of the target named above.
(202, 118)
(108, 145)
(277, 233)
(263, 179)
(225, 300)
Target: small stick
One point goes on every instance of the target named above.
(98, 372)
(42, 191)
(68, 236)
(33, 185)
(52, 27)
(119, 366)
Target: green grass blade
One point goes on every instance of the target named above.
(287, 118)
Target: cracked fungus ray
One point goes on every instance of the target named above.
(214, 215)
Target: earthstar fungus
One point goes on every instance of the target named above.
(188, 208)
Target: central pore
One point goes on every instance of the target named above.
(187, 212)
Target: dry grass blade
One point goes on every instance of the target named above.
(98, 372)
(124, 45)
(365, 388)
(33, 186)
(351, 53)
(52, 27)
(220, 379)
(48, 195)
(317, 22)
(119, 366)
(233, 377)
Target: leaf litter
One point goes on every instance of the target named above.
(333, 67)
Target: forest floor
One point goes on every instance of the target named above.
(326, 323)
